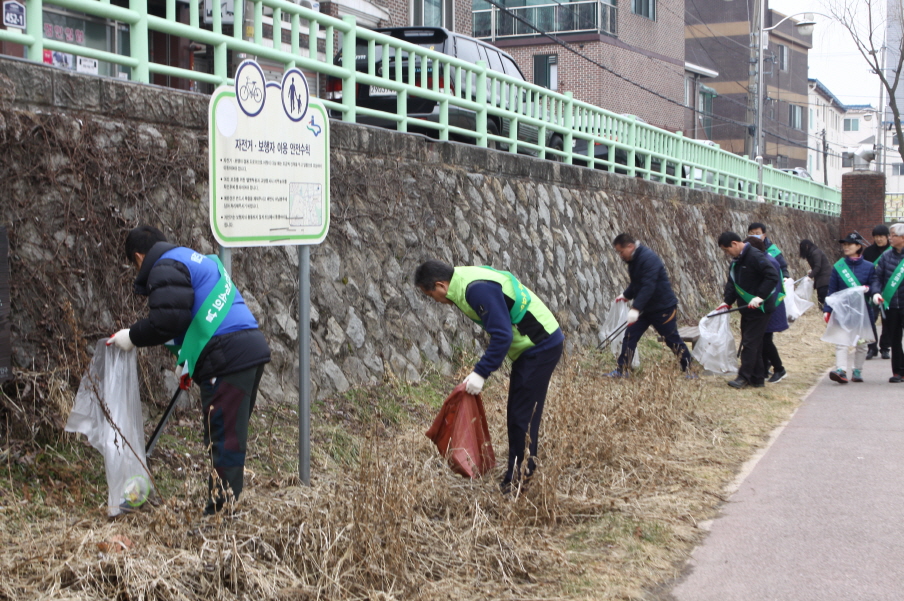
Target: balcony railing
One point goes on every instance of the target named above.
(592, 16)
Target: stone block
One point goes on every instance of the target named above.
(76, 91)
(33, 83)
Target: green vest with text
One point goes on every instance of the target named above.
(523, 301)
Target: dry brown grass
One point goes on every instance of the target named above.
(627, 470)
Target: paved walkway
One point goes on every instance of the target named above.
(821, 515)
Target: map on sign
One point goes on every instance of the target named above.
(305, 203)
(269, 161)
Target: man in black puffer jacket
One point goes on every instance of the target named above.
(752, 282)
(654, 303)
(195, 308)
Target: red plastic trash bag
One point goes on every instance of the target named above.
(462, 436)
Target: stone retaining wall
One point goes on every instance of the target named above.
(87, 158)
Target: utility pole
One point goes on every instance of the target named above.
(756, 24)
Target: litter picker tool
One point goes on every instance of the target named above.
(159, 429)
(612, 336)
(723, 312)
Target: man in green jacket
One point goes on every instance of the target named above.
(520, 327)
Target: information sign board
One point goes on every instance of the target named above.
(269, 161)
(14, 14)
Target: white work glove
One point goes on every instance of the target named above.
(789, 283)
(722, 307)
(865, 288)
(633, 315)
(474, 383)
(877, 299)
(122, 340)
(621, 298)
(755, 303)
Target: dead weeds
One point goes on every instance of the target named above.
(627, 470)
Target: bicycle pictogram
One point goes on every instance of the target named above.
(250, 90)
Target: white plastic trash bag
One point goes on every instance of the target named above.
(111, 386)
(616, 318)
(715, 349)
(849, 323)
(795, 305)
(805, 290)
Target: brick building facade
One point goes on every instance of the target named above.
(645, 51)
(717, 36)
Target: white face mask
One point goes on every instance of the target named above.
(758, 236)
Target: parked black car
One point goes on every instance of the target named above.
(601, 152)
(441, 40)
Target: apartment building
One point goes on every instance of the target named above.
(825, 121)
(627, 57)
(718, 38)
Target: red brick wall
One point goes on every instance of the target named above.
(862, 202)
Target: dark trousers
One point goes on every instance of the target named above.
(753, 329)
(894, 322)
(883, 344)
(666, 324)
(227, 404)
(821, 293)
(527, 395)
(770, 354)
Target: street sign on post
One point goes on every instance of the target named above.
(14, 14)
(269, 186)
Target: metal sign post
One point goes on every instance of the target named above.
(269, 186)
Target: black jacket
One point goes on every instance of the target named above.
(168, 286)
(885, 267)
(650, 288)
(756, 276)
(820, 267)
(873, 252)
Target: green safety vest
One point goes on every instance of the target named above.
(847, 276)
(524, 302)
(747, 297)
(206, 321)
(893, 282)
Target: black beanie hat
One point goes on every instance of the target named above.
(880, 230)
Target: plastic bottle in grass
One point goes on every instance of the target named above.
(136, 491)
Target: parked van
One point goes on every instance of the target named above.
(454, 44)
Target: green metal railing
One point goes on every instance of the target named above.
(567, 130)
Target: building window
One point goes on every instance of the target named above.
(852, 125)
(811, 123)
(688, 91)
(894, 140)
(897, 169)
(782, 57)
(846, 161)
(705, 106)
(644, 8)
(433, 13)
(546, 71)
(535, 16)
(795, 115)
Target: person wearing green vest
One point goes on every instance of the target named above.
(759, 230)
(851, 271)
(890, 268)
(752, 283)
(196, 311)
(872, 253)
(520, 327)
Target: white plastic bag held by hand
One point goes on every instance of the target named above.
(805, 290)
(715, 349)
(615, 319)
(849, 323)
(112, 379)
(796, 305)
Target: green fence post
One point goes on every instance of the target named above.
(34, 26)
(238, 20)
(632, 144)
(219, 50)
(349, 82)
(138, 41)
(679, 152)
(482, 103)
(568, 139)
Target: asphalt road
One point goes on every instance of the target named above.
(821, 515)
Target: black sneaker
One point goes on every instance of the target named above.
(871, 353)
(886, 354)
(738, 383)
(778, 376)
(896, 379)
